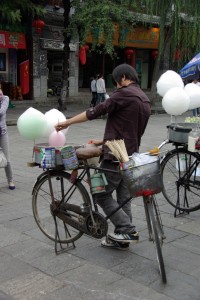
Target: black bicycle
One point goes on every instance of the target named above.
(64, 210)
(181, 179)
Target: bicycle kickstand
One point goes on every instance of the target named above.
(57, 240)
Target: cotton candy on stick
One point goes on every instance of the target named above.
(168, 80)
(176, 101)
(57, 139)
(53, 117)
(193, 91)
(32, 124)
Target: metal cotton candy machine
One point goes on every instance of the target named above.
(178, 132)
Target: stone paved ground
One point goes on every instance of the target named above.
(31, 270)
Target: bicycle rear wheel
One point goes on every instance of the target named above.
(181, 179)
(156, 234)
(62, 190)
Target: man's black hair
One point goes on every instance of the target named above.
(124, 70)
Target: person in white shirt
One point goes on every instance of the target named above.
(93, 89)
(101, 89)
(196, 111)
(4, 142)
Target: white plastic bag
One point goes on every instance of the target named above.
(106, 96)
(3, 160)
(143, 159)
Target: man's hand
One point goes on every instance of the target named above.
(82, 117)
(96, 142)
(61, 125)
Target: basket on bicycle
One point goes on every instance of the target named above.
(143, 180)
(144, 176)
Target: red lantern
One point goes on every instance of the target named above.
(154, 54)
(177, 54)
(129, 52)
(86, 47)
(38, 24)
(82, 55)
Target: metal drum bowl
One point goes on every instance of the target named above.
(40, 148)
(178, 132)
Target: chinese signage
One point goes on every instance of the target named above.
(139, 37)
(55, 44)
(12, 40)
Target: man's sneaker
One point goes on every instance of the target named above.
(124, 237)
(107, 243)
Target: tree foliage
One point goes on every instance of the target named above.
(12, 12)
(98, 19)
(179, 23)
(178, 20)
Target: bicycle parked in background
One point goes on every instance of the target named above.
(181, 171)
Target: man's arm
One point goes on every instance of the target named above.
(82, 117)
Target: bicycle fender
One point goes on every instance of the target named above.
(40, 177)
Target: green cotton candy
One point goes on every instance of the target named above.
(32, 124)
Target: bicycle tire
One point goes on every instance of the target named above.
(157, 239)
(180, 187)
(41, 200)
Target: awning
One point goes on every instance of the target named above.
(14, 40)
(192, 69)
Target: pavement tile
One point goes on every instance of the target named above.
(179, 286)
(129, 288)
(182, 260)
(84, 275)
(190, 243)
(28, 250)
(10, 236)
(53, 264)
(12, 268)
(30, 286)
(191, 227)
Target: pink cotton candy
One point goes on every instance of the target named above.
(57, 139)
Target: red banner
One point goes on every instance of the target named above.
(24, 77)
(14, 40)
(82, 55)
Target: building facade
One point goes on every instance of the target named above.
(33, 64)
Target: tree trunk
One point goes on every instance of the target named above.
(65, 84)
(161, 65)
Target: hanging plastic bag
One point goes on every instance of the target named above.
(3, 160)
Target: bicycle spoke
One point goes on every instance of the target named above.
(181, 186)
(43, 208)
(157, 232)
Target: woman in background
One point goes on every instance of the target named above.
(4, 143)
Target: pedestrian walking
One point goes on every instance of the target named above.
(101, 89)
(196, 111)
(4, 142)
(93, 88)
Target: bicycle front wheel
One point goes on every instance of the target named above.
(156, 237)
(62, 190)
(181, 179)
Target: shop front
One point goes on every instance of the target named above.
(12, 53)
(137, 47)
